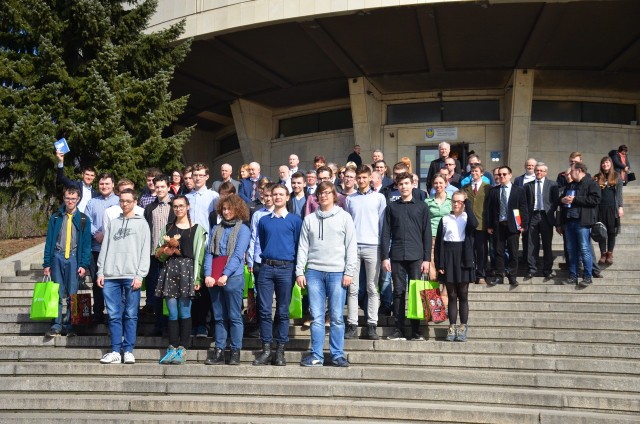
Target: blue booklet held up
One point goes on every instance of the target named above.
(62, 146)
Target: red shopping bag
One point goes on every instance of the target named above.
(434, 309)
(81, 309)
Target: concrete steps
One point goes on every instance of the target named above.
(538, 353)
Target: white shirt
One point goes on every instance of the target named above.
(529, 178)
(535, 193)
(454, 227)
(112, 212)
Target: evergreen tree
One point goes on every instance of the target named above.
(85, 70)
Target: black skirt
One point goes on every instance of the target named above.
(453, 270)
(176, 279)
(607, 215)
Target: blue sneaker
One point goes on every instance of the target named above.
(180, 356)
(168, 357)
(341, 362)
(311, 361)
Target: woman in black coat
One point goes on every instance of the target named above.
(454, 260)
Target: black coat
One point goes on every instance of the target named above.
(587, 198)
(468, 254)
(517, 200)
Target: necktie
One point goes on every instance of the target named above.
(253, 191)
(503, 203)
(539, 195)
(475, 188)
(67, 242)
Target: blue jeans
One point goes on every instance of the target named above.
(321, 286)
(578, 247)
(278, 279)
(386, 292)
(226, 302)
(179, 308)
(115, 291)
(64, 272)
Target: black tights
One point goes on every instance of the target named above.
(458, 292)
(611, 242)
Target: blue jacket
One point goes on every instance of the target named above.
(83, 249)
(246, 187)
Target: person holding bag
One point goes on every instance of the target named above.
(328, 248)
(454, 260)
(224, 271)
(180, 277)
(67, 255)
(610, 209)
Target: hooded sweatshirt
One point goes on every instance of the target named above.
(328, 243)
(125, 249)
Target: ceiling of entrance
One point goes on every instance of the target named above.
(415, 48)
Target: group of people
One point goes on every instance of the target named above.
(348, 235)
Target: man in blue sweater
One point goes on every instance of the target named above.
(67, 254)
(278, 233)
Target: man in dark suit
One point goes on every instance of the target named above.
(226, 171)
(87, 192)
(436, 165)
(502, 204)
(249, 186)
(381, 167)
(542, 201)
(529, 174)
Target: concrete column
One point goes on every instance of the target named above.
(254, 126)
(366, 111)
(517, 120)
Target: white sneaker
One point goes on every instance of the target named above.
(111, 358)
(129, 358)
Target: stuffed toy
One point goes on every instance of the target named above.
(170, 247)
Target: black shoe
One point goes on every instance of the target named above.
(397, 335)
(235, 357)
(52, 333)
(279, 360)
(597, 274)
(497, 280)
(529, 275)
(215, 356)
(252, 333)
(417, 337)
(513, 282)
(586, 282)
(548, 275)
(265, 356)
(351, 332)
(371, 332)
(571, 281)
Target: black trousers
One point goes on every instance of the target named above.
(401, 273)
(503, 238)
(481, 250)
(540, 230)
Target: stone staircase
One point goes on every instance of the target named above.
(538, 353)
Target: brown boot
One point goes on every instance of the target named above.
(609, 258)
(603, 258)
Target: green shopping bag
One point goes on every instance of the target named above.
(248, 282)
(295, 307)
(44, 304)
(414, 307)
(165, 309)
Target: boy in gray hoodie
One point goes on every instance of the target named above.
(122, 264)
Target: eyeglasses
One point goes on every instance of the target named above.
(457, 201)
(503, 174)
(71, 199)
(349, 177)
(325, 193)
(179, 206)
(126, 202)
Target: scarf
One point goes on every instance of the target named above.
(233, 236)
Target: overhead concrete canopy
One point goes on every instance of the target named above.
(419, 47)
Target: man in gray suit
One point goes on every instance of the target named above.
(542, 202)
(226, 171)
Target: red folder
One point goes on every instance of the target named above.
(217, 266)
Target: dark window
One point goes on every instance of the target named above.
(229, 144)
(316, 122)
(567, 111)
(473, 110)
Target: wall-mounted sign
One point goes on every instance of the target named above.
(441, 133)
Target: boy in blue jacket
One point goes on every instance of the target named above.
(67, 255)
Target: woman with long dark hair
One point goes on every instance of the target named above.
(180, 277)
(610, 209)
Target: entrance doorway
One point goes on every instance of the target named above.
(426, 154)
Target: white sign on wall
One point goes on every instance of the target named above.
(441, 133)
